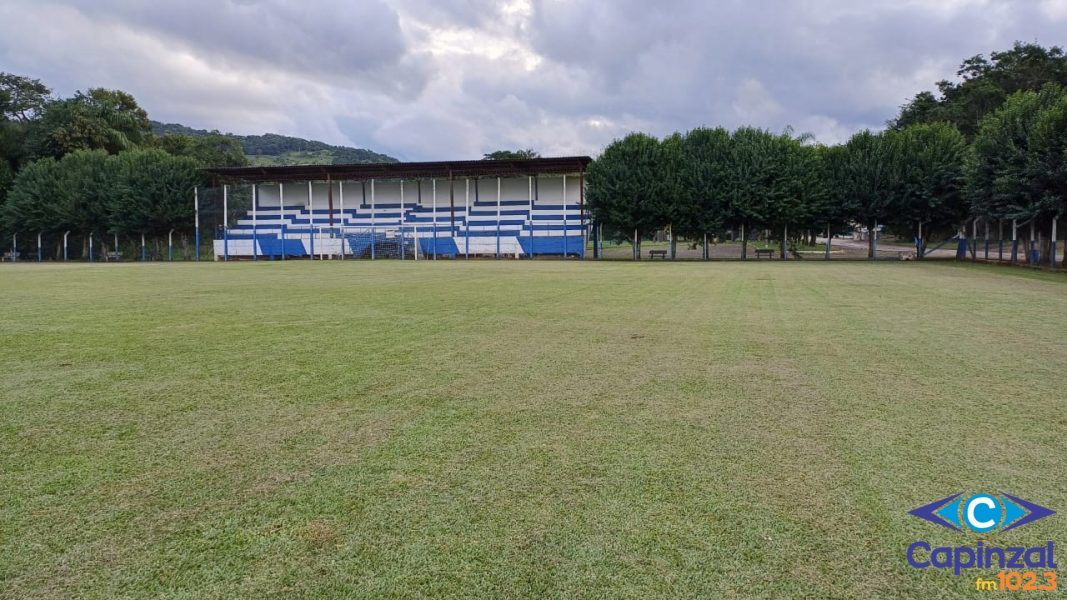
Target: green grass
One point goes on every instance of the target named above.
(517, 429)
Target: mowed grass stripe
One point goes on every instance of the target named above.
(515, 429)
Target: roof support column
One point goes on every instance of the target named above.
(565, 232)
(581, 204)
(451, 205)
(329, 196)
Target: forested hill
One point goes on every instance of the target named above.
(272, 149)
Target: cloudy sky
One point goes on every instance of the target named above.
(440, 79)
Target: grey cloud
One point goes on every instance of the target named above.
(332, 39)
(425, 79)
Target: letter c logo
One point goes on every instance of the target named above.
(983, 513)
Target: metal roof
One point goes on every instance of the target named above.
(566, 165)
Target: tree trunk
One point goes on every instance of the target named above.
(871, 232)
(744, 244)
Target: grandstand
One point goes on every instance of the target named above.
(497, 208)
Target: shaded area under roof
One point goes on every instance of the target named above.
(566, 165)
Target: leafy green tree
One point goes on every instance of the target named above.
(154, 193)
(625, 187)
(211, 150)
(53, 196)
(771, 179)
(928, 160)
(1003, 174)
(704, 186)
(31, 203)
(21, 98)
(863, 180)
(1046, 163)
(827, 212)
(511, 154)
(99, 119)
(985, 84)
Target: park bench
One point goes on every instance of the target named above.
(11, 256)
(113, 256)
(768, 252)
(660, 253)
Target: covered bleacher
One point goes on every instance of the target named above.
(485, 208)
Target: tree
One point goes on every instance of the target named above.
(985, 85)
(626, 188)
(87, 181)
(863, 181)
(99, 119)
(928, 162)
(154, 191)
(1004, 179)
(770, 179)
(705, 153)
(1046, 162)
(512, 155)
(21, 98)
(211, 150)
(30, 204)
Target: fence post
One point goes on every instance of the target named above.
(1014, 241)
(1000, 240)
(1034, 257)
(986, 239)
(196, 210)
(874, 237)
(1052, 243)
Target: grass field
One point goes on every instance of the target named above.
(517, 429)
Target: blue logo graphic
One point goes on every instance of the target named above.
(982, 513)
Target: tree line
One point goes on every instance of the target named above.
(990, 147)
(91, 164)
(941, 165)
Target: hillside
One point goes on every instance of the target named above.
(272, 149)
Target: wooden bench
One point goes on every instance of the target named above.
(768, 252)
(654, 253)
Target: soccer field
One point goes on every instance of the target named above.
(517, 428)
